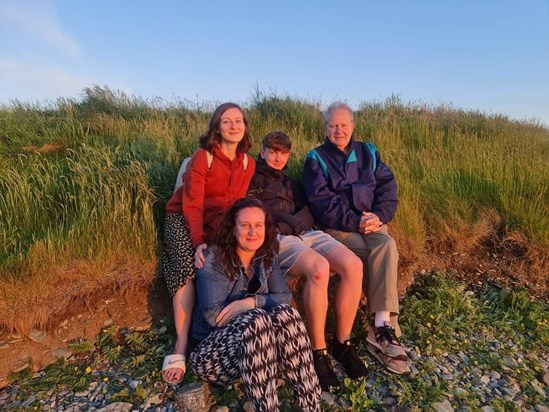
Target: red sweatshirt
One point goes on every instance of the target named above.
(207, 194)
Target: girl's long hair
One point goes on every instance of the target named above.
(226, 240)
(212, 137)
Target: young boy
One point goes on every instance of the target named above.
(311, 254)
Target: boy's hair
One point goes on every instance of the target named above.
(277, 141)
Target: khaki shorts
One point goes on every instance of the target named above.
(293, 246)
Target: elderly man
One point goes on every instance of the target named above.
(353, 195)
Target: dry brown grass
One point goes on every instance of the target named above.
(45, 148)
(58, 293)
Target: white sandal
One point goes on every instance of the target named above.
(175, 361)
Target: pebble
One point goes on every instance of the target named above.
(463, 381)
(388, 401)
(29, 401)
(537, 387)
(62, 353)
(37, 335)
(413, 355)
(461, 392)
(494, 375)
(444, 406)
(21, 367)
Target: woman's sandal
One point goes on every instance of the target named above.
(175, 361)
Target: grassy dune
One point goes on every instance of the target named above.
(83, 185)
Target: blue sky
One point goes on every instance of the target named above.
(485, 55)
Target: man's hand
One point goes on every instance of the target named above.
(234, 309)
(369, 223)
(199, 258)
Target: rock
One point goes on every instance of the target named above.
(14, 338)
(329, 398)
(248, 407)
(413, 355)
(388, 401)
(37, 335)
(465, 408)
(512, 390)
(62, 353)
(29, 401)
(82, 394)
(541, 408)
(537, 387)
(401, 408)
(444, 406)
(461, 392)
(485, 379)
(21, 367)
(495, 375)
(486, 408)
(221, 409)
(153, 399)
(546, 379)
(194, 397)
(117, 407)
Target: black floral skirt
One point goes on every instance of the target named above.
(178, 257)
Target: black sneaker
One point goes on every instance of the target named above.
(346, 354)
(324, 371)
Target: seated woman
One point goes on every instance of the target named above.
(243, 322)
(218, 173)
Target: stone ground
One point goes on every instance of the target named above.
(457, 372)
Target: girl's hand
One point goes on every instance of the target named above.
(199, 258)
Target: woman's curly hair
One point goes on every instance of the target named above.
(226, 240)
(212, 137)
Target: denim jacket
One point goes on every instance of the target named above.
(214, 290)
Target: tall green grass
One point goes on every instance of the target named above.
(86, 180)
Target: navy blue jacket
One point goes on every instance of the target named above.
(340, 187)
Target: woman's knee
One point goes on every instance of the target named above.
(256, 322)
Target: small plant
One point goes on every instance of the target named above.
(356, 394)
(81, 346)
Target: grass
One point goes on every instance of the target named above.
(500, 319)
(83, 185)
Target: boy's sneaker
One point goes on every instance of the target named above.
(346, 354)
(324, 370)
(385, 340)
(395, 365)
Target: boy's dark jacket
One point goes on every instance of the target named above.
(283, 196)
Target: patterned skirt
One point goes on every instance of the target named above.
(178, 257)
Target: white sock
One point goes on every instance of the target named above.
(381, 318)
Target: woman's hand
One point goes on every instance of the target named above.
(234, 309)
(199, 258)
(369, 223)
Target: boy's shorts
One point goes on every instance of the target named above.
(291, 247)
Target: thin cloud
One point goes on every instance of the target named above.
(38, 17)
(43, 79)
(31, 79)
